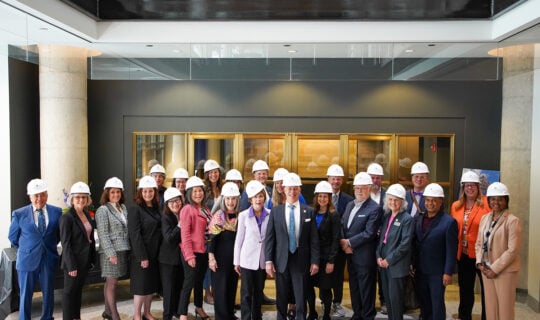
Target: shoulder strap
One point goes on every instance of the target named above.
(418, 209)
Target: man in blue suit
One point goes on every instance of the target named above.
(340, 200)
(435, 247)
(415, 197)
(34, 231)
(360, 225)
(291, 248)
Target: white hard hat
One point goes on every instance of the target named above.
(114, 182)
(147, 182)
(280, 173)
(233, 175)
(335, 170)
(433, 190)
(419, 167)
(194, 182)
(375, 169)
(260, 165)
(362, 179)
(230, 189)
(323, 187)
(210, 165)
(171, 193)
(36, 186)
(470, 176)
(291, 179)
(180, 174)
(396, 190)
(253, 188)
(157, 169)
(79, 187)
(497, 189)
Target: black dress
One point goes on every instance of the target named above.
(144, 226)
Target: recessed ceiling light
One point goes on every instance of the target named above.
(409, 51)
(431, 45)
(286, 45)
(292, 51)
(149, 45)
(176, 51)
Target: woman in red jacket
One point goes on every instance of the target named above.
(194, 219)
(468, 211)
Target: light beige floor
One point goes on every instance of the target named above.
(93, 305)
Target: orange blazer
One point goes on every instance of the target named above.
(477, 212)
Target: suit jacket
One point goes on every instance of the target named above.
(193, 231)
(504, 243)
(77, 252)
(410, 202)
(169, 251)
(343, 201)
(435, 250)
(398, 248)
(112, 230)
(473, 222)
(32, 245)
(329, 235)
(250, 242)
(277, 240)
(144, 226)
(362, 233)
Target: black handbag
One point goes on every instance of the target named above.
(411, 298)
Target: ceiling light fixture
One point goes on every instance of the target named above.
(292, 51)
(409, 51)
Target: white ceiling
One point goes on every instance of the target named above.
(30, 22)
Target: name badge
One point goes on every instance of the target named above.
(397, 223)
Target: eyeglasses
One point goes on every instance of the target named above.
(175, 201)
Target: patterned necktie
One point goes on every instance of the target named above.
(292, 230)
(41, 221)
(335, 199)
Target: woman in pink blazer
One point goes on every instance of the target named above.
(194, 219)
(497, 248)
(249, 258)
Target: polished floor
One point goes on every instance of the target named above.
(93, 305)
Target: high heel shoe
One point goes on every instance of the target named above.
(199, 312)
(105, 315)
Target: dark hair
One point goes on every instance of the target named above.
(190, 191)
(105, 196)
(209, 191)
(507, 201)
(317, 206)
(167, 210)
(140, 201)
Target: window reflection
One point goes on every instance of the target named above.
(315, 156)
(365, 150)
(218, 149)
(270, 150)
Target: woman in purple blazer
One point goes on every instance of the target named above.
(249, 251)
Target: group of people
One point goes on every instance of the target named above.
(170, 237)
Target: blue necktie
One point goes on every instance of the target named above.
(292, 231)
(41, 221)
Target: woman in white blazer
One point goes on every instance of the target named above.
(249, 259)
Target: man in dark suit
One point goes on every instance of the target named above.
(34, 231)
(415, 198)
(360, 224)
(340, 200)
(291, 248)
(436, 244)
(378, 194)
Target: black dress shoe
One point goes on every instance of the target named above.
(268, 301)
(291, 315)
(313, 316)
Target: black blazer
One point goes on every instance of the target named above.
(343, 201)
(77, 252)
(144, 227)
(277, 240)
(398, 248)
(362, 233)
(329, 234)
(169, 251)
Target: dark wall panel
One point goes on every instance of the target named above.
(24, 128)
(469, 109)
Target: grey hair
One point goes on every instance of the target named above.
(403, 207)
(223, 208)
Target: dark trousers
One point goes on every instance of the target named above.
(284, 281)
(193, 280)
(363, 289)
(251, 292)
(224, 283)
(394, 291)
(379, 287)
(72, 294)
(467, 273)
(339, 272)
(172, 279)
(430, 290)
(27, 282)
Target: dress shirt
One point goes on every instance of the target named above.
(296, 218)
(376, 196)
(354, 210)
(36, 216)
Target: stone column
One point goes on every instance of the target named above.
(63, 118)
(5, 164)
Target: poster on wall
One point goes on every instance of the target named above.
(487, 177)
